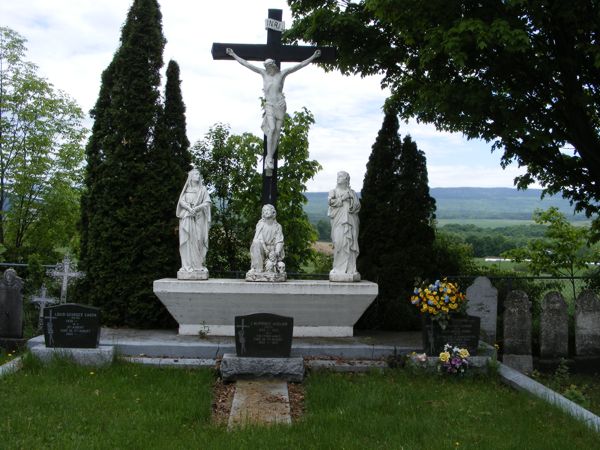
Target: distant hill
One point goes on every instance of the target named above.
(471, 203)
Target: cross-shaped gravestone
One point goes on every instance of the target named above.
(278, 52)
(64, 271)
(42, 301)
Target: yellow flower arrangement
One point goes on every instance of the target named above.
(444, 356)
(438, 299)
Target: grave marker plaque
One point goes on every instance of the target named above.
(263, 335)
(71, 325)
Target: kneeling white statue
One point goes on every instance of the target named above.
(193, 211)
(343, 212)
(266, 251)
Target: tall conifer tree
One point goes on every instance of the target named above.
(167, 171)
(396, 229)
(119, 206)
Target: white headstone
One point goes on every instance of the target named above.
(65, 271)
(482, 301)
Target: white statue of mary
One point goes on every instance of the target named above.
(193, 211)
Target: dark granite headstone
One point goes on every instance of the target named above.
(72, 326)
(11, 305)
(461, 332)
(554, 327)
(263, 335)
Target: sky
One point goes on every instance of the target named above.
(72, 42)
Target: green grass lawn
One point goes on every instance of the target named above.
(581, 388)
(130, 406)
(6, 356)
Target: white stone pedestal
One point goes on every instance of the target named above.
(319, 308)
(198, 275)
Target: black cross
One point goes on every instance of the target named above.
(273, 50)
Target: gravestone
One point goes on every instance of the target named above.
(554, 327)
(461, 332)
(41, 301)
(71, 326)
(11, 310)
(517, 332)
(587, 324)
(263, 335)
(65, 271)
(483, 302)
(263, 343)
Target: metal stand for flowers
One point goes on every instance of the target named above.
(461, 331)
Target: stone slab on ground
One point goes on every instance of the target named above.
(260, 402)
(523, 383)
(477, 364)
(11, 366)
(103, 355)
(238, 368)
(319, 308)
(335, 365)
(169, 344)
(171, 362)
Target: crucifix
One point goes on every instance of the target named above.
(63, 272)
(273, 53)
(42, 301)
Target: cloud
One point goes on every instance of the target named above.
(72, 42)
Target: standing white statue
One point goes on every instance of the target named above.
(193, 211)
(343, 212)
(266, 251)
(275, 106)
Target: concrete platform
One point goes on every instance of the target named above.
(101, 356)
(168, 344)
(319, 308)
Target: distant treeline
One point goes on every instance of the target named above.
(470, 203)
(493, 241)
(463, 204)
(484, 241)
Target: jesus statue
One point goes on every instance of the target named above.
(275, 106)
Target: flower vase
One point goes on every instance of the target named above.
(461, 331)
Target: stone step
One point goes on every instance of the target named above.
(260, 402)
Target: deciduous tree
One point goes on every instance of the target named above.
(228, 163)
(524, 76)
(563, 252)
(41, 157)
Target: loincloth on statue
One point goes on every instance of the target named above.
(275, 111)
